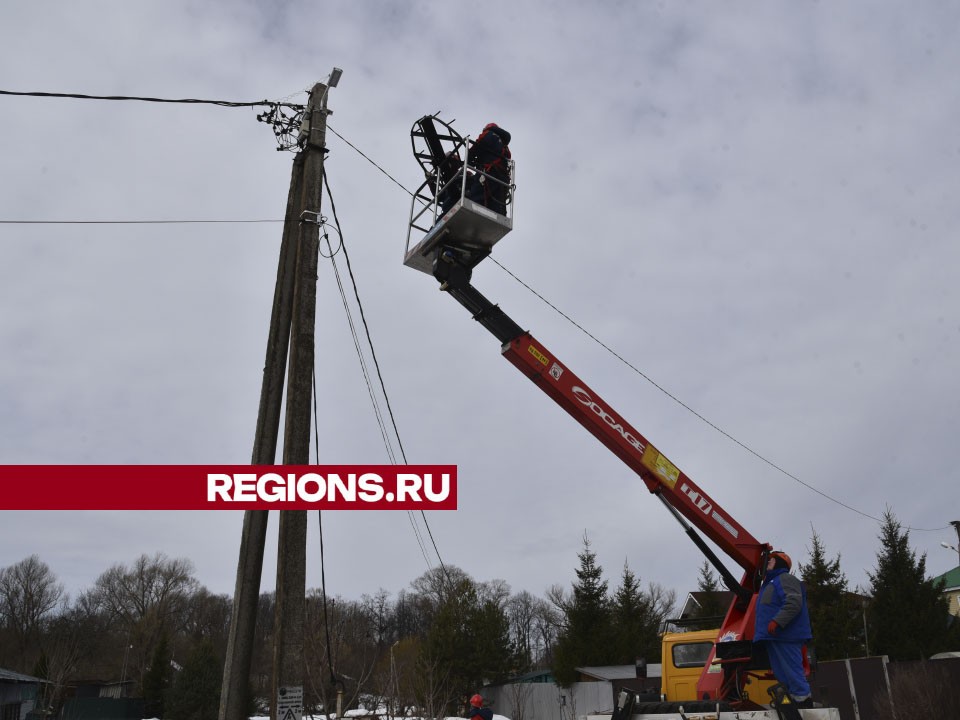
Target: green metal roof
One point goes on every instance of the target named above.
(951, 578)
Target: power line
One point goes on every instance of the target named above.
(373, 354)
(370, 160)
(673, 397)
(188, 101)
(401, 186)
(129, 222)
(285, 118)
(689, 409)
(654, 383)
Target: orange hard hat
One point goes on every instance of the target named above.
(783, 557)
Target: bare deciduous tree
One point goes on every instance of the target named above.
(495, 591)
(340, 649)
(380, 612)
(148, 598)
(29, 593)
(663, 603)
(519, 695)
(207, 617)
(437, 583)
(560, 598)
(66, 647)
(434, 690)
(533, 627)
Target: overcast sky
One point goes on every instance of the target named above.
(755, 204)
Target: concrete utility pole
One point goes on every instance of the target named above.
(291, 325)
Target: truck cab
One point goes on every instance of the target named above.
(685, 657)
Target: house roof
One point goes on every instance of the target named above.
(951, 579)
(527, 677)
(11, 676)
(609, 672)
(617, 672)
(696, 600)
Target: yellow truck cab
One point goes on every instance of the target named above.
(684, 656)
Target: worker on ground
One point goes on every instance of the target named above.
(783, 625)
(490, 154)
(477, 710)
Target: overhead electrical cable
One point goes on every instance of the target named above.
(225, 103)
(371, 161)
(653, 382)
(381, 423)
(128, 222)
(677, 400)
(689, 409)
(285, 118)
(370, 389)
(185, 101)
(373, 355)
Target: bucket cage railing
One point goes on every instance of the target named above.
(460, 207)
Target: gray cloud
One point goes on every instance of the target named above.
(755, 206)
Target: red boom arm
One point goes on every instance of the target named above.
(685, 499)
(660, 475)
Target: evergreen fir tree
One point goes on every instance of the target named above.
(711, 609)
(470, 640)
(496, 657)
(908, 615)
(195, 694)
(835, 613)
(42, 667)
(586, 636)
(156, 681)
(635, 630)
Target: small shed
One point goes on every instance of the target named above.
(18, 694)
(610, 673)
(91, 699)
(641, 677)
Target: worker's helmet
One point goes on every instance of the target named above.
(476, 701)
(498, 131)
(781, 560)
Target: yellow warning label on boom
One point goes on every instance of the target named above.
(666, 470)
(541, 358)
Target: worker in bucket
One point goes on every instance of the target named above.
(783, 625)
(491, 155)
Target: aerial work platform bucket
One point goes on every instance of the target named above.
(443, 217)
